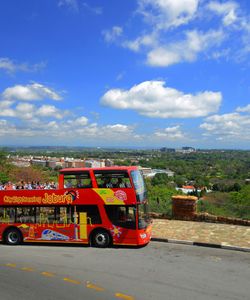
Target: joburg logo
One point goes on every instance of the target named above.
(47, 199)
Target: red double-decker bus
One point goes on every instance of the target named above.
(97, 206)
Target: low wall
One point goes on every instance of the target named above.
(185, 208)
(205, 217)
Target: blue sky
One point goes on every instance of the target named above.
(136, 73)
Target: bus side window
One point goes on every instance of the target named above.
(112, 179)
(93, 214)
(25, 214)
(7, 214)
(63, 215)
(45, 215)
(79, 180)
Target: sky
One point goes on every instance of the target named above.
(134, 73)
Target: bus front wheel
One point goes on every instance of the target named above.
(12, 236)
(101, 238)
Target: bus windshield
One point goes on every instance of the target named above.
(140, 188)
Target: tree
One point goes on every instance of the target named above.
(160, 178)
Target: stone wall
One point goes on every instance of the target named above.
(185, 208)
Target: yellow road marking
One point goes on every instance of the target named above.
(11, 265)
(94, 287)
(27, 269)
(71, 280)
(48, 274)
(123, 296)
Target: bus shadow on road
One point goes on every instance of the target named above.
(71, 245)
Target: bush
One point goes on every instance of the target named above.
(233, 204)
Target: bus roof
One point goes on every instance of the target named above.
(115, 168)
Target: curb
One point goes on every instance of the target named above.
(200, 244)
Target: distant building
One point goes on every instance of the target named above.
(186, 150)
(109, 163)
(39, 162)
(94, 163)
(148, 172)
(186, 189)
(21, 163)
(169, 150)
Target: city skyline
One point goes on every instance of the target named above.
(125, 74)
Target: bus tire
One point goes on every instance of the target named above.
(13, 236)
(101, 238)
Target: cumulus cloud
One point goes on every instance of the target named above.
(176, 31)
(49, 111)
(172, 133)
(5, 109)
(194, 43)
(30, 92)
(28, 111)
(112, 35)
(168, 13)
(11, 66)
(227, 126)
(245, 109)
(227, 10)
(146, 40)
(153, 99)
(81, 121)
(57, 130)
(25, 110)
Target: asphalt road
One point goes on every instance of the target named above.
(158, 271)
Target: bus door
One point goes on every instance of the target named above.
(83, 225)
(80, 221)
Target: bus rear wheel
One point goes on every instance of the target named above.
(13, 236)
(101, 238)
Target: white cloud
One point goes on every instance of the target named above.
(5, 104)
(168, 13)
(77, 5)
(25, 110)
(11, 66)
(81, 121)
(6, 128)
(148, 40)
(28, 111)
(153, 99)
(176, 31)
(56, 131)
(245, 109)
(112, 35)
(172, 133)
(118, 128)
(227, 10)
(227, 126)
(49, 111)
(113, 133)
(72, 4)
(94, 9)
(6, 110)
(30, 92)
(194, 43)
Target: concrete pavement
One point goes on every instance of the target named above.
(213, 234)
